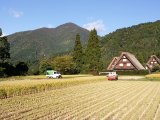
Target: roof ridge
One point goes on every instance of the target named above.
(130, 56)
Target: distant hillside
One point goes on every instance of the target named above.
(35, 44)
(142, 40)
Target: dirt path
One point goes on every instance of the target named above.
(131, 77)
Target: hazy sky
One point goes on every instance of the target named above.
(105, 15)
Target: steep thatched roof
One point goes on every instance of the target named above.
(155, 57)
(148, 65)
(132, 59)
(112, 64)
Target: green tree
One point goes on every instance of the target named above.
(7, 69)
(93, 53)
(78, 53)
(156, 68)
(0, 31)
(21, 68)
(44, 65)
(4, 55)
(34, 69)
(64, 64)
(4, 49)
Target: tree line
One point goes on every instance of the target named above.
(81, 60)
(141, 40)
(6, 68)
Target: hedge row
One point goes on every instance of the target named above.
(138, 72)
(131, 72)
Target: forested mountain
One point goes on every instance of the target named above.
(32, 45)
(142, 40)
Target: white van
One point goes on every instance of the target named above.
(53, 74)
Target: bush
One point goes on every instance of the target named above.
(64, 64)
(94, 73)
(2, 73)
(129, 72)
(33, 70)
(156, 68)
(6, 69)
(21, 68)
(44, 65)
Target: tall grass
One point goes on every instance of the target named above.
(12, 88)
(153, 77)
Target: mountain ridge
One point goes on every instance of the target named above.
(142, 40)
(35, 44)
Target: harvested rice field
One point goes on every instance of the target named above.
(105, 100)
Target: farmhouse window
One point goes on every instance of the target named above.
(151, 62)
(121, 64)
(124, 60)
(155, 62)
(128, 64)
(124, 56)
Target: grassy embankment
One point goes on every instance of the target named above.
(153, 77)
(16, 86)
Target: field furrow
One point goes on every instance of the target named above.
(76, 101)
(123, 106)
(157, 114)
(109, 95)
(105, 100)
(108, 104)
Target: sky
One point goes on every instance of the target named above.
(104, 15)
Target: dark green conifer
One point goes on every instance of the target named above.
(0, 31)
(4, 48)
(78, 53)
(93, 53)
